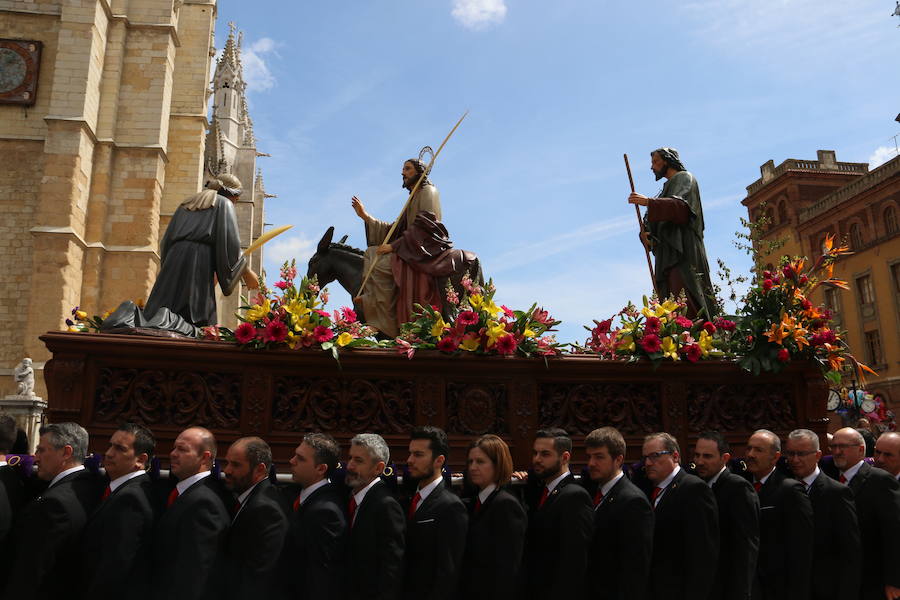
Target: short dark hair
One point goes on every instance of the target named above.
(437, 440)
(561, 440)
(8, 433)
(257, 451)
(144, 442)
(714, 436)
(325, 449)
(606, 437)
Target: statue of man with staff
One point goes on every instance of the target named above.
(406, 266)
(674, 233)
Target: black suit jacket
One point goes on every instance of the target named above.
(435, 543)
(738, 506)
(313, 559)
(188, 543)
(375, 549)
(494, 545)
(556, 545)
(687, 527)
(12, 499)
(118, 541)
(253, 545)
(877, 496)
(622, 545)
(837, 551)
(784, 567)
(47, 538)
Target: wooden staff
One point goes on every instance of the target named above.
(641, 226)
(408, 200)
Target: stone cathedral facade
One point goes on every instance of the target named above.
(105, 128)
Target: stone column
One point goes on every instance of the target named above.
(28, 411)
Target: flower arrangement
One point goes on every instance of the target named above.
(479, 326)
(82, 323)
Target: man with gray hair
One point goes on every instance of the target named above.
(377, 524)
(784, 567)
(836, 542)
(877, 497)
(47, 533)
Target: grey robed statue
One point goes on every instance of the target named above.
(674, 233)
(201, 247)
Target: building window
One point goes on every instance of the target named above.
(864, 289)
(782, 212)
(831, 299)
(890, 220)
(895, 274)
(856, 238)
(873, 348)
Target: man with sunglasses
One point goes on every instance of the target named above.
(836, 543)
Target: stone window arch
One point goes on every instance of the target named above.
(890, 220)
(782, 212)
(856, 236)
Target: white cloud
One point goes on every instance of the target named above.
(257, 74)
(881, 155)
(285, 248)
(479, 14)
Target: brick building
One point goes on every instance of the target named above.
(804, 201)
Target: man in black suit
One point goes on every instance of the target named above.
(12, 491)
(836, 546)
(877, 496)
(686, 534)
(377, 524)
(887, 453)
(190, 536)
(436, 522)
(786, 533)
(622, 544)
(257, 532)
(738, 507)
(47, 534)
(560, 523)
(313, 560)
(119, 535)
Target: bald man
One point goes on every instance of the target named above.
(877, 496)
(191, 533)
(887, 453)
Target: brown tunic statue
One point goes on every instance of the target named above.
(407, 266)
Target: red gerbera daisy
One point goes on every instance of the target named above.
(322, 334)
(245, 333)
(506, 344)
(276, 331)
(651, 343)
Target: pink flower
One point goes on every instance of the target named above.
(467, 317)
(348, 314)
(651, 343)
(447, 344)
(767, 285)
(245, 333)
(542, 316)
(545, 346)
(692, 352)
(276, 331)
(602, 326)
(767, 274)
(508, 311)
(709, 327)
(282, 285)
(804, 280)
(806, 304)
(725, 324)
(452, 296)
(322, 333)
(787, 271)
(466, 282)
(652, 325)
(324, 296)
(506, 344)
(404, 347)
(314, 288)
(322, 313)
(684, 322)
(784, 355)
(211, 332)
(288, 273)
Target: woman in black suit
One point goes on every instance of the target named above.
(497, 524)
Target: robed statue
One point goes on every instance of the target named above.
(674, 233)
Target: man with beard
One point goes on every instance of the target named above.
(622, 544)
(836, 543)
(674, 232)
(560, 522)
(877, 496)
(738, 508)
(119, 535)
(377, 526)
(887, 453)
(686, 534)
(407, 265)
(786, 532)
(436, 521)
(257, 532)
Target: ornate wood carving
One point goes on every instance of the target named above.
(748, 407)
(580, 408)
(524, 400)
(428, 394)
(171, 397)
(256, 392)
(476, 408)
(342, 405)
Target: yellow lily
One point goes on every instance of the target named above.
(528, 333)
(669, 348)
(705, 342)
(494, 331)
(475, 301)
(470, 344)
(438, 328)
(777, 333)
(293, 341)
(800, 337)
(297, 308)
(627, 343)
(344, 339)
(302, 323)
(80, 315)
(258, 311)
(666, 307)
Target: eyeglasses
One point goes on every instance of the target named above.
(843, 446)
(654, 456)
(798, 454)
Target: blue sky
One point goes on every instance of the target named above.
(533, 181)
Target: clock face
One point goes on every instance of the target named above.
(12, 70)
(868, 405)
(834, 400)
(19, 62)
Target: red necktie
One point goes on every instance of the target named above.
(106, 493)
(598, 497)
(413, 505)
(478, 506)
(842, 479)
(544, 497)
(351, 509)
(757, 485)
(172, 495)
(656, 492)
(237, 506)
(297, 503)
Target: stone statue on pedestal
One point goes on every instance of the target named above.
(24, 377)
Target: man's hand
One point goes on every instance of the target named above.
(891, 592)
(523, 475)
(251, 279)
(357, 205)
(385, 249)
(645, 240)
(639, 199)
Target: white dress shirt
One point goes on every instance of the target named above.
(664, 484)
(115, 483)
(715, 478)
(850, 473)
(425, 491)
(182, 486)
(64, 474)
(484, 494)
(808, 480)
(309, 490)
